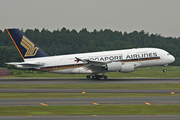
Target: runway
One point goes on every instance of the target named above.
(89, 81)
(87, 91)
(173, 100)
(94, 117)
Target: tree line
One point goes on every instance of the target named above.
(65, 41)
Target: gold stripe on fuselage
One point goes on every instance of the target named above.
(82, 65)
(141, 59)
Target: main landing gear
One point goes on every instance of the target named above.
(164, 70)
(96, 76)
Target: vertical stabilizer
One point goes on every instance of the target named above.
(25, 46)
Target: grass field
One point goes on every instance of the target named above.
(148, 72)
(91, 110)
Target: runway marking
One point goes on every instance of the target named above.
(44, 104)
(83, 92)
(147, 103)
(95, 103)
(172, 93)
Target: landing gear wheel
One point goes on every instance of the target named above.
(88, 76)
(164, 70)
(105, 77)
(96, 76)
(91, 77)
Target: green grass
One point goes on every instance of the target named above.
(91, 110)
(147, 72)
(79, 95)
(91, 86)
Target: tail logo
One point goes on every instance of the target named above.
(29, 46)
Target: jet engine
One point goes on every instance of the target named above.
(117, 66)
(126, 68)
(114, 66)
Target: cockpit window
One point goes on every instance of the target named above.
(168, 54)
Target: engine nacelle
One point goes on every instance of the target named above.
(126, 68)
(117, 66)
(114, 66)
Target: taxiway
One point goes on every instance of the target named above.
(173, 100)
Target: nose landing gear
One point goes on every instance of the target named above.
(164, 70)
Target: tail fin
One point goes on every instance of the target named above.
(25, 46)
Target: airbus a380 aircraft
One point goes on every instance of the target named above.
(87, 63)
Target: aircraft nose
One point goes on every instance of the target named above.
(171, 58)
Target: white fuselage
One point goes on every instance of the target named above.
(140, 57)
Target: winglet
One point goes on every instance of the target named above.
(25, 46)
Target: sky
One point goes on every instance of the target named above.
(154, 16)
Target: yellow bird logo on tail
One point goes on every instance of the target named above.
(29, 46)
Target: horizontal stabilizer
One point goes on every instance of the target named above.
(27, 65)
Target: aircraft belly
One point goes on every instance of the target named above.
(66, 71)
(80, 70)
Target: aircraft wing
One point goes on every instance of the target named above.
(94, 66)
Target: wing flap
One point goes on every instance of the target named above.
(95, 66)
